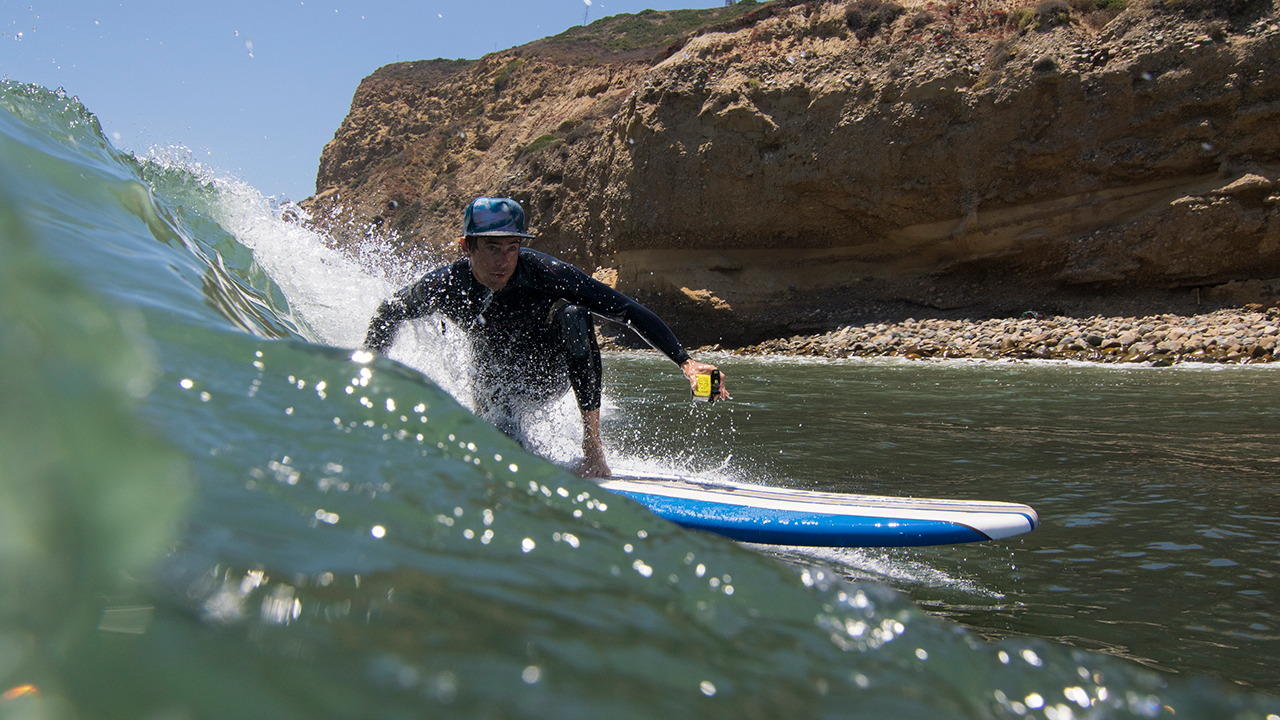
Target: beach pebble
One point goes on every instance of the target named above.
(1223, 336)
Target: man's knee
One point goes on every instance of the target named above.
(577, 330)
(581, 354)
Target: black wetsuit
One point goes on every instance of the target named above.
(533, 338)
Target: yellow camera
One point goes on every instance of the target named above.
(707, 388)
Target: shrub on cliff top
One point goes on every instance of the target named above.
(650, 31)
(1096, 13)
(503, 77)
(1000, 54)
(406, 215)
(921, 18)
(866, 17)
(1050, 14)
(541, 142)
(650, 28)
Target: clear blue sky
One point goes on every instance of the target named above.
(256, 88)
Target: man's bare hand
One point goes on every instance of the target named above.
(692, 369)
(593, 464)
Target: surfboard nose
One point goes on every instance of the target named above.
(1015, 521)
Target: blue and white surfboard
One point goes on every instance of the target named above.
(782, 516)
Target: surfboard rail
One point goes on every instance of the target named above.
(786, 516)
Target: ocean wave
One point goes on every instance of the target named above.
(245, 518)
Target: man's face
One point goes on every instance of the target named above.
(494, 260)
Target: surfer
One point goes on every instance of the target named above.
(527, 316)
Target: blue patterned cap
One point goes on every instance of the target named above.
(495, 217)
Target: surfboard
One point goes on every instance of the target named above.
(784, 516)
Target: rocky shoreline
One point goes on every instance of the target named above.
(1249, 335)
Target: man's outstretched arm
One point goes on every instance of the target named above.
(382, 329)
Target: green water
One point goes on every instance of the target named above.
(1156, 489)
(210, 508)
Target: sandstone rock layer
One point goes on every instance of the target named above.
(800, 168)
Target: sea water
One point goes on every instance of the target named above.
(212, 506)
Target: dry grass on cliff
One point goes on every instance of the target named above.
(653, 34)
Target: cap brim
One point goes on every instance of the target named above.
(500, 233)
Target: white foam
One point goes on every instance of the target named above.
(889, 565)
(335, 293)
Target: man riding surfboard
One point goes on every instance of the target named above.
(527, 316)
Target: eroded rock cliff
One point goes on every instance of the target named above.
(794, 167)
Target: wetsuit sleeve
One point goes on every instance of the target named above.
(415, 301)
(646, 323)
(382, 329)
(582, 289)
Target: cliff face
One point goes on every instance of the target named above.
(805, 166)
